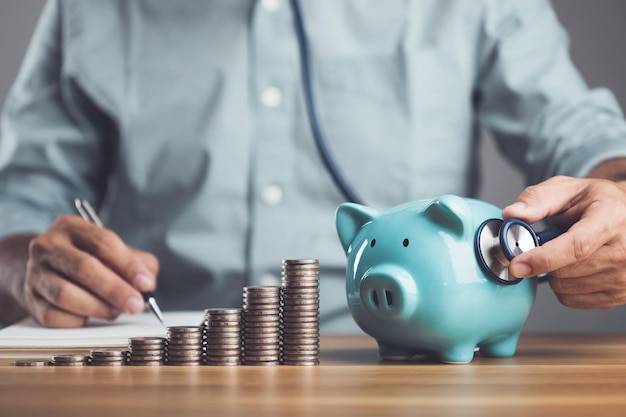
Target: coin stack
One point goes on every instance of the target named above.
(300, 323)
(108, 357)
(29, 362)
(223, 336)
(185, 345)
(69, 360)
(261, 323)
(146, 351)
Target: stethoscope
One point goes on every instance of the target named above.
(496, 241)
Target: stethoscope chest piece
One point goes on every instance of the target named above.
(498, 242)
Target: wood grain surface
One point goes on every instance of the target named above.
(571, 375)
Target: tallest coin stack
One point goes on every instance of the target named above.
(300, 321)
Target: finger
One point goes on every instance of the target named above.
(89, 272)
(607, 260)
(584, 238)
(604, 300)
(109, 248)
(49, 316)
(607, 282)
(146, 282)
(545, 199)
(67, 296)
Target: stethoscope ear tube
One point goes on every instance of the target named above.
(309, 101)
(498, 241)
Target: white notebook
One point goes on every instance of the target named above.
(96, 333)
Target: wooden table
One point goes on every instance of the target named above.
(571, 375)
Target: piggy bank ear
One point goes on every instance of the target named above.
(349, 219)
(451, 212)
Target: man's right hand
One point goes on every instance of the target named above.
(77, 270)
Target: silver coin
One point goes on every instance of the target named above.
(187, 336)
(262, 323)
(24, 362)
(261, 358)
(146, 352)
(147, 363)
(193, 363)
(70, 358)
(184, 329)
(258, 289)
(273, 307)
(293, 346)
(217, 323)
(108, 359)
(55, 363)
(288, 308)
(185, 342)
(114, 353)
(249, 299)
(262, 363)
(300, 363)
(256, 339)
(149, 340)
(222, 312)
(222, 363)
(300, 261)
(145, 358)
(108, 363)
(306, 291)
(218, 345)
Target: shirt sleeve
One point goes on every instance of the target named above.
(531, 97)
(50, 151)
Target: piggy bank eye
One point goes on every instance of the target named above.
(405, 242)
(373, 243)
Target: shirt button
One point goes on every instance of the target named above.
(271, 97)
(269, 280)
(272, 195)
(271, 5)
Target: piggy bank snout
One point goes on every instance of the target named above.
(389, 293)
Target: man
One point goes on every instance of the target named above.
(183, 122)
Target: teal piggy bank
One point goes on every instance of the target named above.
(414, 281)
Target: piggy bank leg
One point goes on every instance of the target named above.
(501, 346)
(458, 354)
(392, 353)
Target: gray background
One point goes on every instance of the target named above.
(597, 32)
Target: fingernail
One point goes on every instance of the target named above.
(518, 206)
(144, 282)
(134, 305)
(521, 270)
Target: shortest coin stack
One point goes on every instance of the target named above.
(69, 360)
(108, 357)
(261, 323)
(223, 336)
(185, 345)
(146, 351)
(30, 362)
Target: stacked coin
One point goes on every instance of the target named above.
(300, 323)
(146, 351)
(185, 345)
(108, 357)
(261, 322)
(223, 336)
(30, 362)
(69, 360)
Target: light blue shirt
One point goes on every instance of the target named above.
(184, 122)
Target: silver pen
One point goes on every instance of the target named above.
(88, 213)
